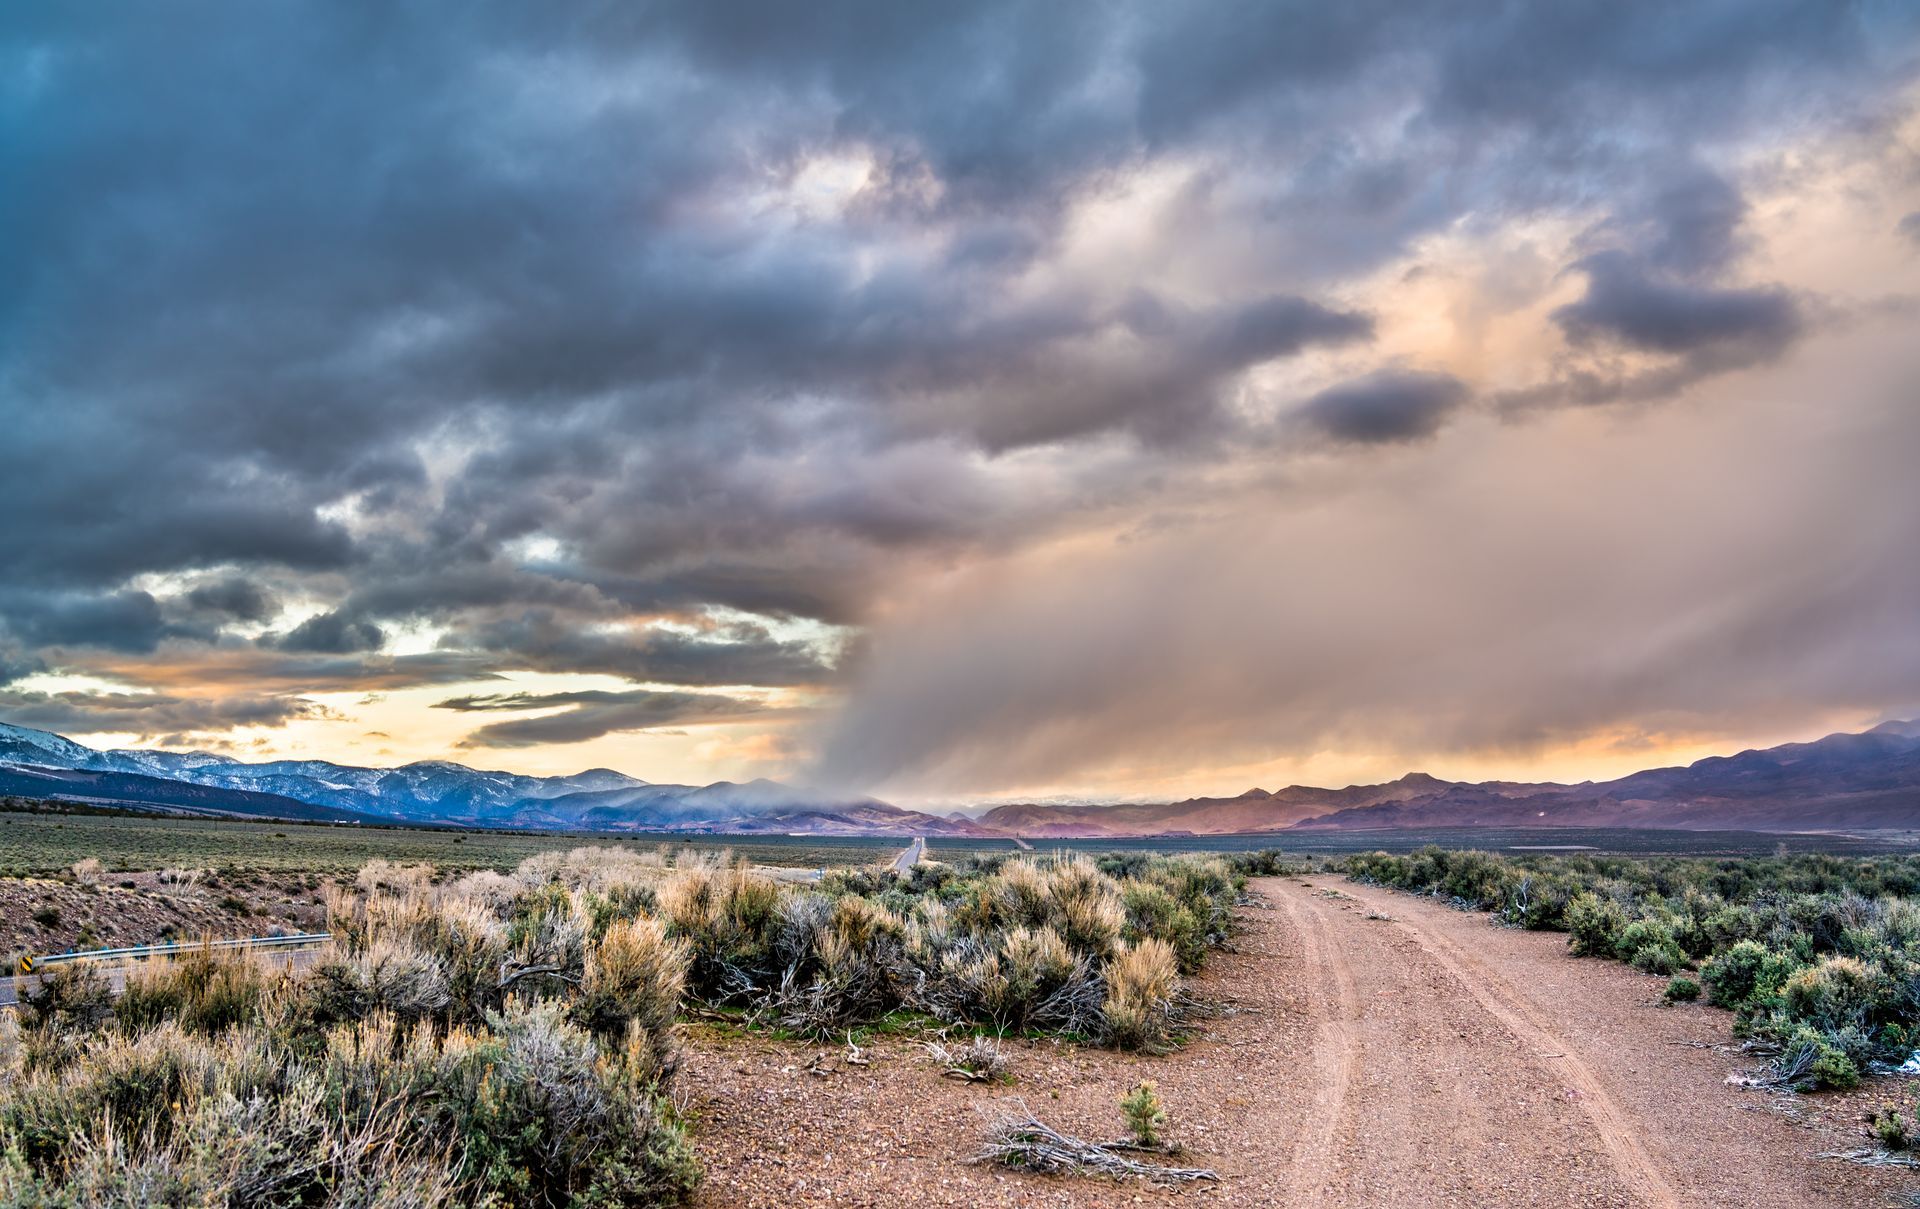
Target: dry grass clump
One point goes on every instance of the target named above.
(389, 877)
(630, 992)
(201, 991)
(977, 1059)
(1141, 983)
(598, 868)
(729, 918)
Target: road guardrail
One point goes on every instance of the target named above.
(35, 965)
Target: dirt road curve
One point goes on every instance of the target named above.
(1422, 1059)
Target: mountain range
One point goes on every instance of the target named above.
(37, 763)
(1841, 782)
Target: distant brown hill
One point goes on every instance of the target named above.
(1844, 781)
(1869, 780)
(1255, 810)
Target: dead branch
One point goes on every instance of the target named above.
(1022, 1141)
(1869, 1156)
(509, 976)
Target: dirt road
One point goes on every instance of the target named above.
(1426, 1058)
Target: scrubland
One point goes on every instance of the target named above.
(510, 1039)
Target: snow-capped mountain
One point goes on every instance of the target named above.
(21, 745)
(433, 791)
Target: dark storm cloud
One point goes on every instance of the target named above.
(352, 305)
(590, 715)
(730, 654)
(149, 715)
(1384, 408)
(242, 599)
(1625, 305)
(120, 621)
(332, 634)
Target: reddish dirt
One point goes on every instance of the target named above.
(1428, 1058)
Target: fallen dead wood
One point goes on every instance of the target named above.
(1871, 1156)
(1020, 1140)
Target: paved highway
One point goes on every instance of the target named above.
(915, 853)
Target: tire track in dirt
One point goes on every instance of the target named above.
(1334, 1052)
(1506, 1005)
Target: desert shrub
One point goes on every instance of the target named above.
(1141, 982)
(1594, 925)
(1025, 893)
(1836, 993)
(87, 872)
(1267, 862)
(729, 919)
(201, 991)
(631, 989)
(1681, 989)
(1089, 916)
(1746, 973)
(1662, 956)
(72, 998)
(1895, 1128)
(845, 962)
(1153, 911)
(544, 1117)
(47, 917)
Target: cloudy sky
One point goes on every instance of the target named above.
(958, 401)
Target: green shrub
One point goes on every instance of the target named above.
(1594, 925)
(1681, 989)
(1658, 957)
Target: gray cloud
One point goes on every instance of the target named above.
(236, 597)
(148, 715)
(1625, 305)
(591, 714)
(1384, 408)
(332, 634)
(727, 654)
(121, 621)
